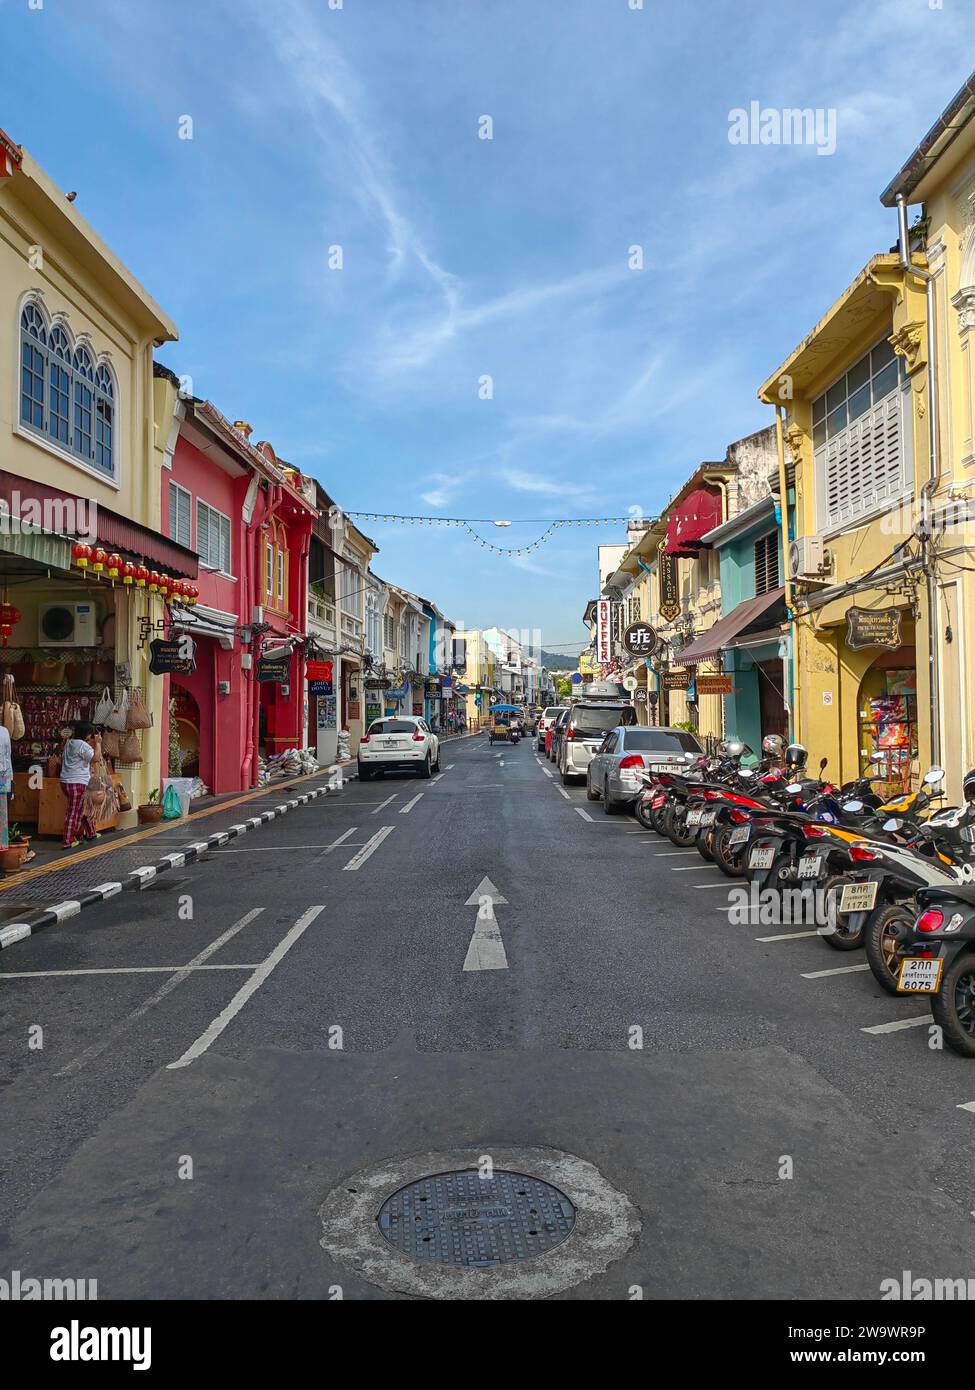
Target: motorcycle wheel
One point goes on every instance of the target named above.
(704, 844)
(644, 813)
(678, 832)
(729, 861)
(880, 944)
(657, 819)
(953, 1007)
(839, 939)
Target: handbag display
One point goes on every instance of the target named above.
(11, 715)
(104, 708)
(118, 719)
(138, 715)
(78, 674)
(101, 800)
(48, 671)
(131, 750)
(112, 743)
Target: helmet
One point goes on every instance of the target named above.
(968, 785)
(733, 747)
(773, 745)
(796, 755)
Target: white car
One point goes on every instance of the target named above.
(401, 740)
(544, 720)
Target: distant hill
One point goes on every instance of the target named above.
(559, 661)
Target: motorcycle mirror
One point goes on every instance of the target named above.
(746, 772)
(933, 775)
(852, 805)
(822, 763)
(690, 757)
(893, 824)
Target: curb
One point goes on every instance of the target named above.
(138, 878)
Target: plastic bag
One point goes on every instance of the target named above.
(172, 807)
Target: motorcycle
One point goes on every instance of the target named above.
(938, 961)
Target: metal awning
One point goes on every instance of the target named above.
(54, 552)
(710, 643)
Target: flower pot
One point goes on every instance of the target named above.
(150, 813)
(12, 858)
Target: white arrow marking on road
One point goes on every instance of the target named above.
(969, 1105)
(486, 951)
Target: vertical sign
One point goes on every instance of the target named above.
(669, 605)
(604, 631)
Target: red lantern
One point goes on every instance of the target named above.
(141, 576)
(165, 585)
(128, 572)
(176, 591)
(81, 554)
(153, 581)
(193, 594)
(98, 559)
(114, 565)
(9, 615)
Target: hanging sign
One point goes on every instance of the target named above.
(669, 604)
(639, 639)
(640, 696)
(375, 684)
(677, 678)
(714, 685)
(873, 627)
(604, 630)
(175, 656)
(274, 668)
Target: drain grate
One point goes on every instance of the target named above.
(465, 1219)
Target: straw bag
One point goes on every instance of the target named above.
(120, 713)
(138, 716)
(112, 743)
(104, 708)
(11, 715)
(131, 750)
(101, 801)
(50, 671)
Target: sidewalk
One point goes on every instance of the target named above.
(69, 880)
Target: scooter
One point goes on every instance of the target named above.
(938, 961)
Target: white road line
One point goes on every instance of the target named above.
(547, 771)
(437, 778)
(266, 849)
(968, 1105)
(119, 970)
(686, 868)
(670, 853)
(341, 839)
(838, 970)
(914, 1022)
(371, 845)
(246, 990)
(584, 814)
(709, 885)
(787, 936)
(109, 1037)
(385, 803)
(450, 767)
(405, 810)
(562, 792)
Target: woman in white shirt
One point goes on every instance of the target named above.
(79, 750)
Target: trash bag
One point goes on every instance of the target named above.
(172, 806)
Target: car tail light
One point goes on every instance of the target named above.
(860, 854)
(631, 760)
(364, 738)
(418, 737)
(932, 920)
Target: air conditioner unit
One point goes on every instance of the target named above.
(806, 558)
(66, 625)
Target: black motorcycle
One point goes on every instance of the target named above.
(939, 962)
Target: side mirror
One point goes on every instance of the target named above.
(934, 775)
(746, 772)
(893, 824)
(794, 788)
(822, 763)
(852, 805)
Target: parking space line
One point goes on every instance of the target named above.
(685, 868)
(249, 987)
(710, 885)
(788, 936)
(118, 970)
(838, 970)
(341, 839)
(584, 814)
(913, 1022)
(370, 847)
(405, 810)
(384, 803)
(670, 853)
(562, 792)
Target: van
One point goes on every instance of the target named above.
(590, 720)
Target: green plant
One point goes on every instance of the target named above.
(15, 832)
(153, 796)
(687, 724)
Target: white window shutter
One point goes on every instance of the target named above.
(203, 531)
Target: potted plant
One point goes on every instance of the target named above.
(12, 857)
(150, 812)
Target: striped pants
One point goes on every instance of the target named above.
(75, 823)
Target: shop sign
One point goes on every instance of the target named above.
(604, 630)
(375, 684)
(639, 639)
(677, 678)
(326, 712)
(714, 685)
(873, 627)
(354, 712)
(669, 589)
(322, 672)
(640, 696)
(277, 668)
(447, 682)
(175, 656)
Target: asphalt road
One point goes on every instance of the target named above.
(295, 1010)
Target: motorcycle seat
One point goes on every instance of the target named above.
(960, 892)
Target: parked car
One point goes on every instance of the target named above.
(403, 741)
(583, 731)
(544, 721)
(552, 734)
(614, 772)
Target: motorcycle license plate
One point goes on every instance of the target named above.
(739, 836)
(694, 817)
(809, 868)
(919, 976)
(858, 897)
(707, 817)
(761, 859)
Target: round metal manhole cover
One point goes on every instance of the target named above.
(473, 1221)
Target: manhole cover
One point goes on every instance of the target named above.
(473, 1221)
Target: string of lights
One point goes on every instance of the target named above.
(468, 524)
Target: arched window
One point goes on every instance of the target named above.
(64, 393)
(33, 366)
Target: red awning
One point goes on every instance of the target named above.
(699, 513)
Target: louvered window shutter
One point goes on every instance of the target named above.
(203, 531)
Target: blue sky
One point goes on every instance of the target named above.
(466, 257)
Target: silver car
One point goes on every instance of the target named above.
(614, 774)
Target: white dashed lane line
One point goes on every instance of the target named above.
(788, 936)
(405, 810)
(837, 970)
(896, 1027)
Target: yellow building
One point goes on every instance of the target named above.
(86, 431)
(854, 401)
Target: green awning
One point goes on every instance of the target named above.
(39, 546)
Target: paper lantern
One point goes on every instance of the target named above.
(128, 572)
(192, 595)
(9, 615)
(176, 591)
(164, 585)
(154, 581)
(141, 576)
(81, 554)
(98, 559)
(114, 565)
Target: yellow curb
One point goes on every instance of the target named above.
(86, 856)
